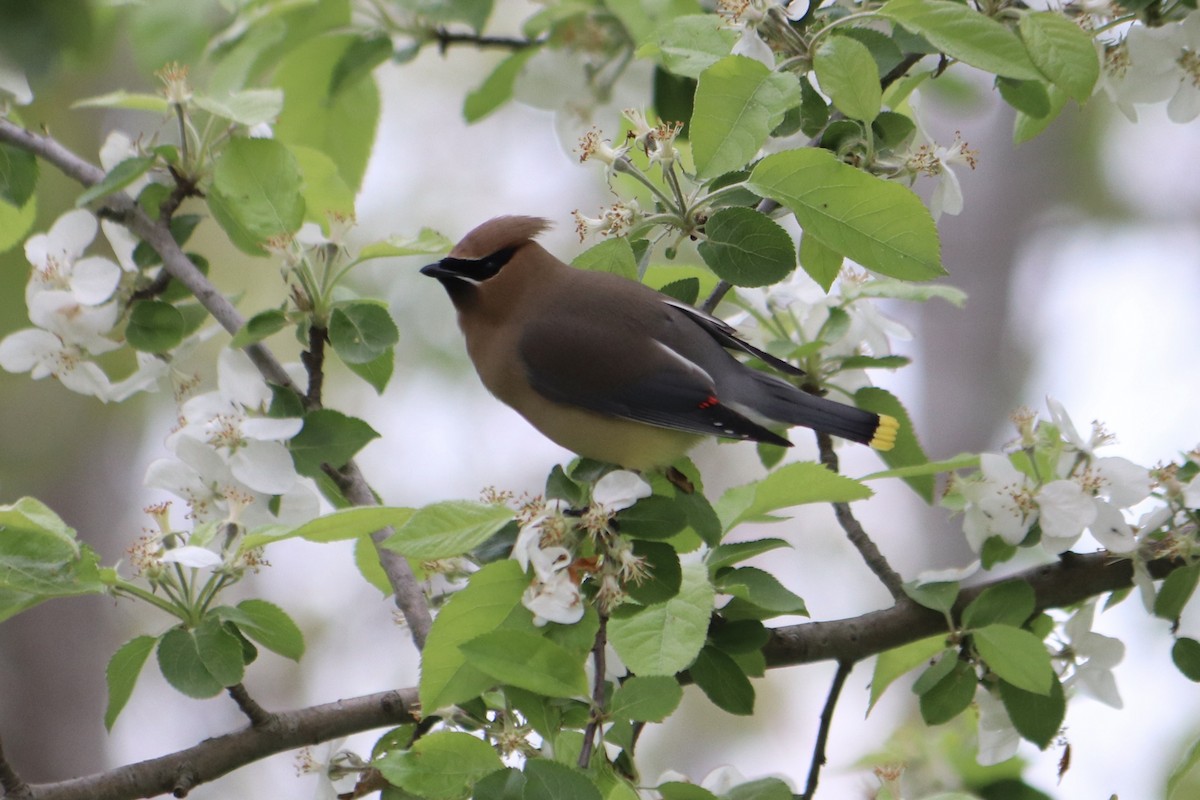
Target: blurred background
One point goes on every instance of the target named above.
(1080, 252)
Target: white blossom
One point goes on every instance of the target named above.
(998, 739)
(1094, 656)
(619, 490)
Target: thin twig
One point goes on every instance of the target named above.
(314, 364)
(446, 38)
(593, 724)
(855, 532)
(818, 756)
(10, 781)
(257, 715)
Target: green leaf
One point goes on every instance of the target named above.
(961, 32)
(364, 54)
(760, 789)
(490, 597)
(740, 636)
(891, 664)
(685, 290)
(702, 518)
(1009, 603)
(447, 529)
(1175, 591)
(504, 784)
(1182, 781)
(256, 192)
(1026, 127)
(822, 263)
(40, 558)
(528, 661)
(892, 129)
(664, 638)
(723, 682)
(497, 88)
(132, 101)
(247, 107)
(18, 175)
(154, 326)
(16, 222)
(340, 120)
(960, 461)
(908, 451)
(880, 224)
(425, 242)
(220, 651)
(739, 101)
(939, 596)
(814, 109)
(611, 255)
(675, 790)
(847, 73)
(328, 437)
(1062, 51)
(366, 560)
(1186, 655)
(550, 780)
(259, 327)
(1028, 97)
(949, 696)
(326, 195)
(747, 248)
(690, 44)
(1017, 656)
(1037, 716)
(180, 663)
(665, 574)
(760, 589)
(122, 673)
(791, 485)
(267, 624)
(443, 765)
(646, 698)
(653, 517)
(337, 526)
(362, 331)
(724, 555)
(378, 371)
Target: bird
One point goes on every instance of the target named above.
(614, 370)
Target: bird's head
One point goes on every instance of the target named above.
(484, 252)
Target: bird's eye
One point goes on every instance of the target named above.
(488, 266)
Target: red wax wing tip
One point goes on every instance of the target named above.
(708, 402)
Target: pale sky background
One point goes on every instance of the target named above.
(1108, 309)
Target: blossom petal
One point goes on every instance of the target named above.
(1065, 510)
(1111, 529)
(620, 489)
(94, 279)
(191, 556)
(240, 381)
(271, 429)
(264, 466)
(998, 739)
(1125, 483)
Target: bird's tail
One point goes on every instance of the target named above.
(785, 403)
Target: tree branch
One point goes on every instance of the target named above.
(1071, 580)
(179, 772)
(818, 756)
(446, 38)
(257, 715)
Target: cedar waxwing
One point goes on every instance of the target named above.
(612, 369)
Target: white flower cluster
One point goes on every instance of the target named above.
(545, 544)
(230, 460)
(1155, 65)
(1084, 493)
(75, 301)
(846, 320)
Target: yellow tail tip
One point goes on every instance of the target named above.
(885, 433)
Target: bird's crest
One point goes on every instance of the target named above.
(498, 234)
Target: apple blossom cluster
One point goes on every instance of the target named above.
(839, 332)
(1052, 491)
(553, 545)
(230, 461)
(76, 303)
(1151, 65)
